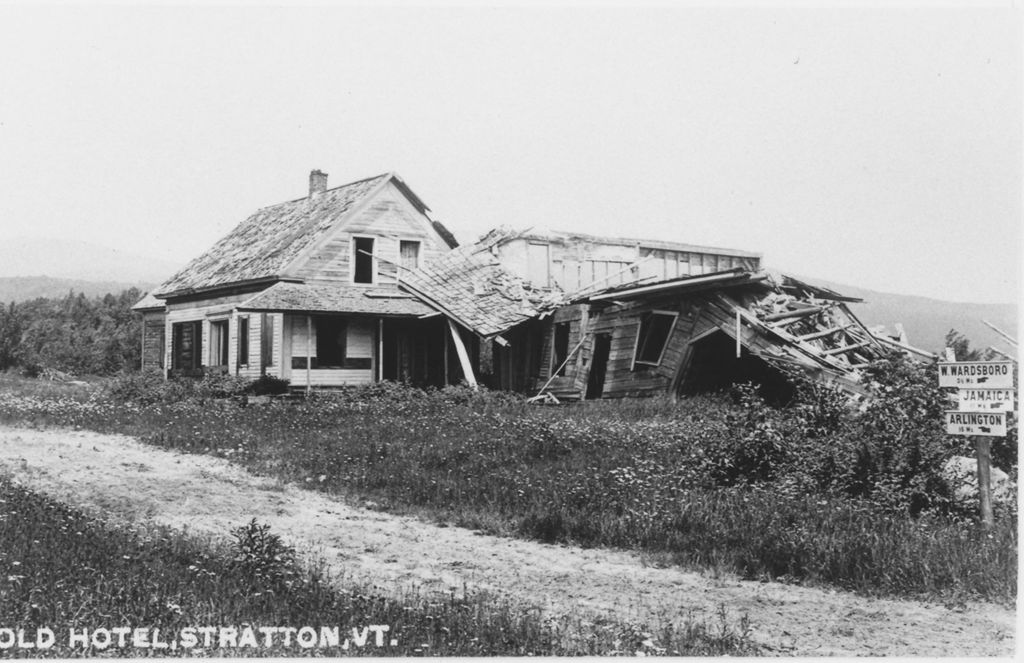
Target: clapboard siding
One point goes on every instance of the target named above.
(389, 218)
(331, 377)
(216, 308)
(153, 346)
(622, 323)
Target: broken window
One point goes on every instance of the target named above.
(363, 260)
(652, 339)
(410, 254)
(243, 340)
(561, 347)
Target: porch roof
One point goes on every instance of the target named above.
(328, 298)
(470, 286)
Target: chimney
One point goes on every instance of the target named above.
(317, 183)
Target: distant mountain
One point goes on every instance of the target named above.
(50, 268)
(81, 261)
(22, 288)
(927, 320)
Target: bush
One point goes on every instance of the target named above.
(263, 555)
(268, 385)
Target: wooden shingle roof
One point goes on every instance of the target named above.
(331, 298)
(470, 286)
(262, 246)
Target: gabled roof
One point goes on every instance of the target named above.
(324, 298)
(263, 246)
(470, 286)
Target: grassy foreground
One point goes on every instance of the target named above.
(638, 475)
(65, 573)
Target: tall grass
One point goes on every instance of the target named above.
(62, 569)
(642, 475)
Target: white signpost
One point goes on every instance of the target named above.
(992, 424)
(979, 374)
(985, 399)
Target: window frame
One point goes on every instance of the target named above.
(195, 351)
(419, 252)
(555, 360)
(221, 345)
(645, 319)
(242, 349)
(354, 256)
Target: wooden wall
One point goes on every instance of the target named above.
(360, 343)
(223, 308)
(389, 219)
(576, 264)
(153, 330)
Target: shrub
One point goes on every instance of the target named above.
(263, 555)
(268, 385)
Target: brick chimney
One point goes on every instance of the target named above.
(317, 183)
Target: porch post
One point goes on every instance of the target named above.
(460, 348)
(444, 336)
(380, 349)
(309, 341)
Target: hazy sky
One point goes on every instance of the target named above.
(874, 147)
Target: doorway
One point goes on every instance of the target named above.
(598, 365)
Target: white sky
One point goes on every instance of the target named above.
(875, 147)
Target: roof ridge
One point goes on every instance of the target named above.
(333, 188)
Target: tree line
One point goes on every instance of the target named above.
(72, 334)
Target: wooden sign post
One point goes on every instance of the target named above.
(985, 400)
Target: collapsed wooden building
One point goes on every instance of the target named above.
(649, 334)
(358, 284)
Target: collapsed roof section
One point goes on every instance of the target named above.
(786, 322)
(471, 287)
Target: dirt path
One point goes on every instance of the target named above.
(128, 480)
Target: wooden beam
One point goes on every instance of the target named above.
(1009, 339)
(811, 310)
(821, 334)
(846, 348)
(739, 335)
(903, 346)
(460, 349)
(565, 361)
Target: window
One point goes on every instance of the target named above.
(561, 348)
(362, 271)
(243, 341)
(219, 343)
(266, 341)
(652, 338)
(410, 254)
(332, 346)
(331, 335)
(538, 264)
(186, 345)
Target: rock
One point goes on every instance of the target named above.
(961, 473)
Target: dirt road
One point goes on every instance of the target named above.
(128, 480)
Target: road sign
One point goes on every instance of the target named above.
(987, 374)
(985, 400)
(976, 423)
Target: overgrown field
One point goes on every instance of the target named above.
(83, 580)
(815, 492)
